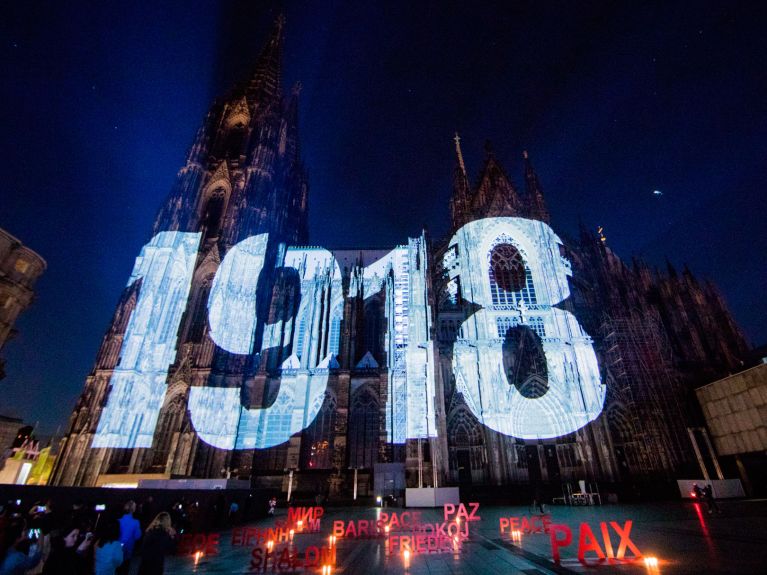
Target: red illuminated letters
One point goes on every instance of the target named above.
(588, 543)
(457, 513)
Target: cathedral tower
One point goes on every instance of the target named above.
(243, 176)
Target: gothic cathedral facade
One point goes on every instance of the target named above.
(380, 329)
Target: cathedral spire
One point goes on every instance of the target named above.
(460, 200)
(265, 81)
(495, 194)
(459, 154)
(536, 204)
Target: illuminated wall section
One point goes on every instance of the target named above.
(410, 402)
(574, 394)
(217, 413)
(232, 299)
(164, 267)
(420, 351)
(511, 267)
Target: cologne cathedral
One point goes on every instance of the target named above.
(355, 361)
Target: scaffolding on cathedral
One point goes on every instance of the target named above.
(646, 413)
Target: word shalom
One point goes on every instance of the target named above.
(265, 559)
(587, 541)
(520, 292)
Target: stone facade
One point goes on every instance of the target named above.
(20, 268)
(380, 327)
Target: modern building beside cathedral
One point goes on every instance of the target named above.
(500, 354)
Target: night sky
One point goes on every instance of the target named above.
(99, 103)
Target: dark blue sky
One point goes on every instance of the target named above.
(99, 103)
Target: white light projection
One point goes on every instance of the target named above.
(232, 303)
(165, 267)
(575, 394)
(410, 412)
(216, 412)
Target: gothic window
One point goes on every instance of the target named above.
(168, 422)
(504, 324)
(317, 439)
(364, 425)
(280, 414)
(214, 213)
(373, 328)
(334, 337)
(508, 276)
(200, 316)
(234, 140)
(299, 349)
(464, 440)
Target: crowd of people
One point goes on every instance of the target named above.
(87, 539)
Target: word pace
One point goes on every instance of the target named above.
(503, 300)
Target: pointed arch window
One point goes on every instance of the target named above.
(373, 328)
(300, 336)
(198, 327)
(510, 278)
(317, 439)
(364, 426)
(168, 423)
(334, 337)
(213, 214)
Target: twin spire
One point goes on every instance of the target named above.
(495, 194)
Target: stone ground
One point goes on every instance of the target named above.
(684, 537)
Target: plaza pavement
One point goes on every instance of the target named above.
(683, 536)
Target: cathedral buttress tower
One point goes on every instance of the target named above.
(243, 176)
